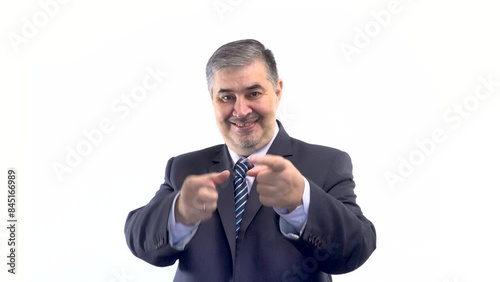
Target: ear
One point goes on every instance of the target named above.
(279, 89)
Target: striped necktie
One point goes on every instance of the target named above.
(240, 190)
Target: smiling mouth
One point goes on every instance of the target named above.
(245, 125)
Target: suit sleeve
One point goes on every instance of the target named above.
(337, 234)
(146, 229)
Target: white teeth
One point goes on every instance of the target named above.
(244, 125)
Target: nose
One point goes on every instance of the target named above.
(241, 108)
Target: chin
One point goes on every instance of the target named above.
(248, 145)
(245, 143)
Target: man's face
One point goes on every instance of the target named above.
(245, 104)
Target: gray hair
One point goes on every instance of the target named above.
(241, 53)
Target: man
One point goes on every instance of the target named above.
(292, 217)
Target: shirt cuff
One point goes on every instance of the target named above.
(179, 234)
(292, 223)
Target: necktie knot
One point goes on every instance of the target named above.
(241, 168)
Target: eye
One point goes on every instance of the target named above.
(226, 98)
(254, 94)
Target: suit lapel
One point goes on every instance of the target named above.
(225, 203)
(282, 147)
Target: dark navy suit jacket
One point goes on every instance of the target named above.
(337, 238)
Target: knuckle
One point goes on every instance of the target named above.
(189, 179)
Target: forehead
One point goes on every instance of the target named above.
(233, 77)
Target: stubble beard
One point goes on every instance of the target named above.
(245, 141)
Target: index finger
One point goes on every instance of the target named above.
(275, 163)
(213, 179)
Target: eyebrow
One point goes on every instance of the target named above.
(249, 88)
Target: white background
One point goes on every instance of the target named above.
(440, 224)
